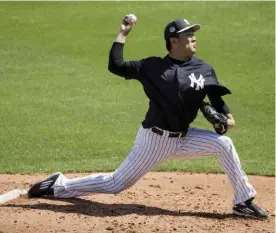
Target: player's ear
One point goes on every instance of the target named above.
(173, 40)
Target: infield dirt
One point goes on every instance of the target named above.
(159, 202)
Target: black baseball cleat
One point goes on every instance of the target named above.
(249, 209)
(44, 187)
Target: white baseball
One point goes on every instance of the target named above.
(131, 17)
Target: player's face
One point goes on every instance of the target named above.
(187, 43)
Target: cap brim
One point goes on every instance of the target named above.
(195, 28)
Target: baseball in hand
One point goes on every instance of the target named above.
(131, 18)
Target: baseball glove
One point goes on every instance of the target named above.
(218, 120)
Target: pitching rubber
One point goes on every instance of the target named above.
(11, 195)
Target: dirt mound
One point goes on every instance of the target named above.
(159, 202)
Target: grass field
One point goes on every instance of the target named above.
(62, 110)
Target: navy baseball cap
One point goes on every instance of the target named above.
(177, 26)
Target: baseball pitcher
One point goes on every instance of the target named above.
(176, 86)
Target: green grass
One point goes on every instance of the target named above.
(62, 110)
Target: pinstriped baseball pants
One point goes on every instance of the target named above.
(149, 150)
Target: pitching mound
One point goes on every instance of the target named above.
(160, 202)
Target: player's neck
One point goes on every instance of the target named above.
(179, 57)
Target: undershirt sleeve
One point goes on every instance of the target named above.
(126, 69)
(218, 103)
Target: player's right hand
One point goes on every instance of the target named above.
(126, 25)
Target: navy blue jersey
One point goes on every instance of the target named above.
(175, 88)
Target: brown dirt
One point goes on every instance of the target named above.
(160, 202)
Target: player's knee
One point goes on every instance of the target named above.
(118, 185)
(117, 188)
(226, 141)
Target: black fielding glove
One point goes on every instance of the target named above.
(218, 120)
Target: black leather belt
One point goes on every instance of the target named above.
(171, 134)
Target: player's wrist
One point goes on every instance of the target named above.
(230, 120)
(231, 123)
(121, 37)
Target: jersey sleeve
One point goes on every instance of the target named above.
(125, 69)
(212, 84)
(215, 91)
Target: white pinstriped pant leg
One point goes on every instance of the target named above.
(203, 143)
(150, 149)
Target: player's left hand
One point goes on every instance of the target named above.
(220, 128)
(218, 120)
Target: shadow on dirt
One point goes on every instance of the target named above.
(90, 208)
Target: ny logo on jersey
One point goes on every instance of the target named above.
(199, 82)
